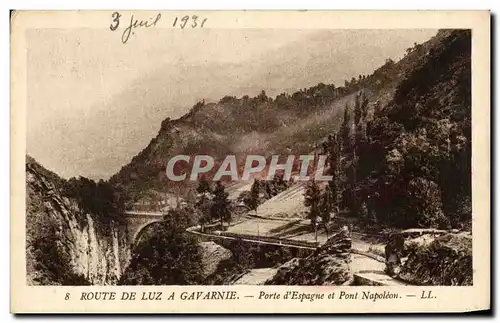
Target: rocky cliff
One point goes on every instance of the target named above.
(66, 245)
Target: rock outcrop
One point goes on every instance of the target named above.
(212, 255)
(430, 257)
(329, 265)
(64, 244)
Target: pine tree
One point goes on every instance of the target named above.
(364, 106)
(204, 186)
(361, 155)
(357, 109)
(360, 108)
(364, 159)
(204, 202)
(220, 206)
(347, 173)
(334, 168)
(326, 207)
(345, 132)
(312, 201)
(253, 203)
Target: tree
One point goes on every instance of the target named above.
(220, 205)
(203, 207)
(262, 97)
(169, 256)
(204, 202)
(363, 211)
(363, 152)
(253, 202)
(345, 132)
(364, 106)
(333, 154)
(326, 206)
(312, 199)
(273, 187)
(204, 186)
(100, 199)
(424, 203)
(357, 109)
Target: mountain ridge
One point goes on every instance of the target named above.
(261, 124)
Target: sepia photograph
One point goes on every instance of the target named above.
(161, 150)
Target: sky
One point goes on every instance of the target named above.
(94, 103)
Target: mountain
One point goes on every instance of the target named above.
(101, 104)
(398, 143)
(285, 124)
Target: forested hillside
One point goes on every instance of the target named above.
(287, 124)
(398, 139)
(409, 165)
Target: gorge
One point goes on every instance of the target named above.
(398, 143)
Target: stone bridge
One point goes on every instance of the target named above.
(138, 222)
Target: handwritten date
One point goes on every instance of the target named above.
(134, 24)
(195, 22)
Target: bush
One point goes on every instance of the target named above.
(445, 261)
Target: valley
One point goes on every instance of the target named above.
(397, 147)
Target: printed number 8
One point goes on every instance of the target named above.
(66, 297)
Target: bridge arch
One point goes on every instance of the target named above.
(138, 222)
(139, 233)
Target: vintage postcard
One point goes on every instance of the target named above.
(250, 161)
